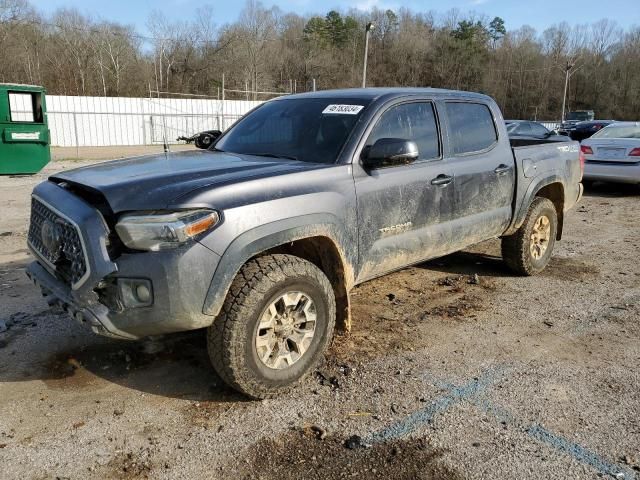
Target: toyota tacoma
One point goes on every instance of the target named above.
(260, 238)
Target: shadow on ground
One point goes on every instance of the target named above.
(605, 189)
(469, 263)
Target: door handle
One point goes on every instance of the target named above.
(502, 169)
(442, 180)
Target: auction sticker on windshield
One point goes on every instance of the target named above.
(343, 109)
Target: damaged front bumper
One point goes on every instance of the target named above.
(175, 281)
(57, 294)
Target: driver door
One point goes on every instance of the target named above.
(404, 211)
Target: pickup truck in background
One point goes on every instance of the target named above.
(260, 238)
(571, 119)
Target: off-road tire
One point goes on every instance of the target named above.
(516, 251)
(230, 339)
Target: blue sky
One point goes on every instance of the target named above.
(537, 13)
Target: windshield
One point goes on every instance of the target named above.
(580, 116)
(305, 129)
(619, 131)
(511, 127)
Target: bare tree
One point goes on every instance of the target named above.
(267, 49)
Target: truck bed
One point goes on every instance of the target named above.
(544, 161)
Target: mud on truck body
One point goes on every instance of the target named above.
(260, 238)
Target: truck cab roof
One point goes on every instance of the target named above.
(376, 93)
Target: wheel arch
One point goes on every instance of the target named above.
(555, 192)
(316, 238)
(552, 188)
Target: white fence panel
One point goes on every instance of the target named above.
(113, 121)
(551, 125)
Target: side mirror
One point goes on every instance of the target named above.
(389, 152)
(205, 139)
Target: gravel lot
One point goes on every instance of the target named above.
(446, 375)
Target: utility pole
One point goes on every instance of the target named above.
(222, 121)
(567, 71)
(370, 26)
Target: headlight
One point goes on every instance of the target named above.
(159, 231)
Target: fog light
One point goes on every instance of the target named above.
(135, 292)
(143, 293)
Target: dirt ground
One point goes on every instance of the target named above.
(454, 369)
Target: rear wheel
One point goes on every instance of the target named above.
(276, 323)
(529, 250)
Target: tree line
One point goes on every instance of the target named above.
(269, 50)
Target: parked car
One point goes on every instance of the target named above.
(582, 130)
(261, 238)
(532, 130)
(613, 153)
(572, 118)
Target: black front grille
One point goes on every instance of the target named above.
(58, 242)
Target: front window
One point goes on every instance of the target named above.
(415, 122)
(619, 131)
(306, 129)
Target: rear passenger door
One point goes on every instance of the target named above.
(483, 169)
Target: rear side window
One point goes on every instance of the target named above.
(471, 127)
(524, 129)
(539, 129)
(25, 107)
(410, 121)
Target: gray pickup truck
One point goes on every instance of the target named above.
(261, 237)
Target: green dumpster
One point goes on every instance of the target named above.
(24, 134)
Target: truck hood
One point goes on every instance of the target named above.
(154, 182)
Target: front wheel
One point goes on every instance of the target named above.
(529, 250)
(276, 323)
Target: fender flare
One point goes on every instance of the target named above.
(264, 237)
(533, 188)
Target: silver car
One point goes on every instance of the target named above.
(613, 154)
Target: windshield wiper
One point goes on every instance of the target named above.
(272, 155)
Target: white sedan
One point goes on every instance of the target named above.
(613, 154)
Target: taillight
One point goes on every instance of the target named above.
(586, 150)
(635, 152)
